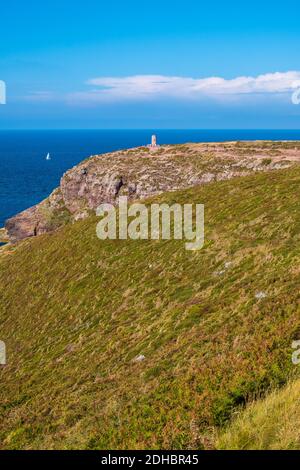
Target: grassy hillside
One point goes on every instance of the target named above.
(75, 312)
(272, 423)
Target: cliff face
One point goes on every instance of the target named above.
(139, 173)
(45, 217)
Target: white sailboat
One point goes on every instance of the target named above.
(48, 157)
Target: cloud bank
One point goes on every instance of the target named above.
(152, 87)
(156, 86)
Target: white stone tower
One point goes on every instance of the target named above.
(153, 144)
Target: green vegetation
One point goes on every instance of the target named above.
(75, 312)
(270, 424)
(54, 218)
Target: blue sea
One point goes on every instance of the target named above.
(26, 177)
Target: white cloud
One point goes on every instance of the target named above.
(143, 87)
(154, 86)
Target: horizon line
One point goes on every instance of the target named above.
(151, 129)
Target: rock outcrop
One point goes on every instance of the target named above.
(140, 173)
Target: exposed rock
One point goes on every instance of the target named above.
(24, 225)
(42, 218)
(81, 216)
(139, 173)
(3, 236)
(140, 358)
(260, 295)
(227, 264)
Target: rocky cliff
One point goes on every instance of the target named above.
(141, 172)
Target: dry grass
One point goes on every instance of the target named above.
(270, 424)
(75, 312)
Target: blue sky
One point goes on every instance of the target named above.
(158, 64)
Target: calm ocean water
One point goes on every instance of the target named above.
(26, 177)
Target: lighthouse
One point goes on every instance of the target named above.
(153, 144)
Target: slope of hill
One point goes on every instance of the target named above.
(270, 424)
(76, 313)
